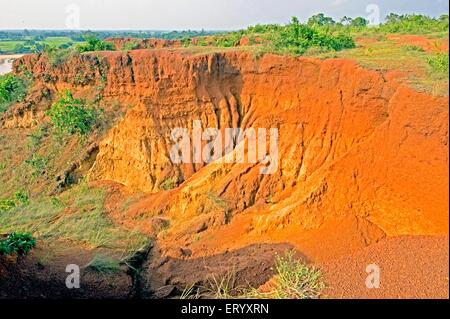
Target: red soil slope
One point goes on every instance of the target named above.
(361, 157)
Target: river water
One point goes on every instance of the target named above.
(6, 62)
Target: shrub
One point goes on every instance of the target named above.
(293, 280)
(359, 22)
(319, 20)
(57, 56)
(439, 62)
(95, 44)
(132, 45)
(228, 40)
(296, 38)
(71, 116)
(414, 23)
(17, 243)
(12, 89)
(38, 164)
(185, 42)
(7, 204)
(22, 198)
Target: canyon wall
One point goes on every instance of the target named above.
(351, 141)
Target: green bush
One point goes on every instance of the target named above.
(320, 20)
(72, 116)
(228, 40)
(296, 38)
(294, 280)
(95, 44)
(132, 45)
(7, 204)
(414, 23)
(12, 89)
(17, 243)
(20, 198)
(57, 56)
(439, 62)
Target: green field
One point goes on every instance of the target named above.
(13, 46)
(8, 46)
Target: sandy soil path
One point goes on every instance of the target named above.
(410, 267)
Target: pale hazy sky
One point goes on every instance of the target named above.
(189, 14)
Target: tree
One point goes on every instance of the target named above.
(359, 22)
(392, 17)
(95, 44)
(320, 20)
(346, 20)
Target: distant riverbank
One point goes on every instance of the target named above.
(6, 62)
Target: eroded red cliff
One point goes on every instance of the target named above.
(360, 157)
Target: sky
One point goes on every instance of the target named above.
(192, 14)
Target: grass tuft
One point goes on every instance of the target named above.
(104, 265)
(294, 280)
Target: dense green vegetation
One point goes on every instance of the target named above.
(33, 45)
(12, 89)
(95, 44)
(31, 41)
(297, 38)
(414, 23)
(72, 116)
(439, 62)
(294, 37)
(17, 243)
(320, 33)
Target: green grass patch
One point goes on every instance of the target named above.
(77, 215)
(104, 264)
(293, 280)
(411, 61)
(19, 199)
(95, 44)
(8, 46)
